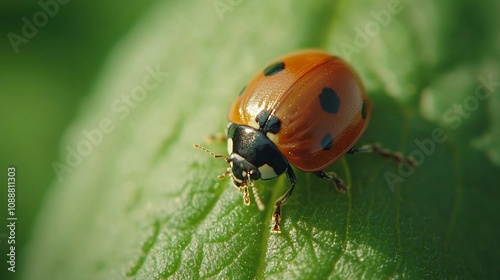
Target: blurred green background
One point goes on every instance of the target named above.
(43, 85)
(425, 61)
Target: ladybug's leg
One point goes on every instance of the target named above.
(376, 148)
(339, 185)
(216, 137)
(282, 200)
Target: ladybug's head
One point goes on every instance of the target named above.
(242, 174)
(252, 156)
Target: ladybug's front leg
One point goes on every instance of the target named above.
(282, 200)
(339, 185)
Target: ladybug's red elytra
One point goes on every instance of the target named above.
(306, 109)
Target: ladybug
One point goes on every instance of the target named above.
(306, 109)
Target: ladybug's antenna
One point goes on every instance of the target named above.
(210, 152)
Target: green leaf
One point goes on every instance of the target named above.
(135, 199)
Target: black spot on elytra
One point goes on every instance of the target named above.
(274, 69)
(243, 89)
(327, 142)
(268, 122)
(273, 125)
(363, 110)
(329, 101)
(262, 118)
